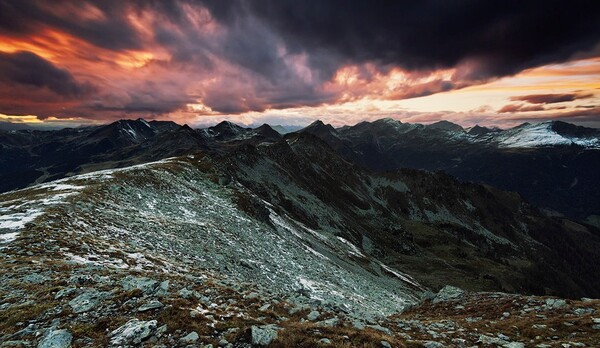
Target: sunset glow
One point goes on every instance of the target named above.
(100, 62)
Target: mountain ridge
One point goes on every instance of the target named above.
(248, 241)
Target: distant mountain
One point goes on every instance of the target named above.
(28, 156)
(9, 126)
(547, 134)
(446, 125)
(281, 129)
(553, 164)
(392, 233)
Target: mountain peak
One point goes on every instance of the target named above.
(447, 126)
(319, 128)
(479, 130)
(317, 123)
(267, 131)
(225, 130)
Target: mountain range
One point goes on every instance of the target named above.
(554, 165)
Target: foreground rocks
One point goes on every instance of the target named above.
(66, 284)
(89, 306)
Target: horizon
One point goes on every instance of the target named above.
(51, 127)
(200, 62)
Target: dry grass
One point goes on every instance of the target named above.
(10, 317)
(305, 335)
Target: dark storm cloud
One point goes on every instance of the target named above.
(29, 69)
(235, 56)
(503, 37)
(550, 98)
(110, 29)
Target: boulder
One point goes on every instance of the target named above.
(448, 293)
(147, 285)
(87, 301)
(56, 339)
(133, 332)
(263, 335)
(150, 306)
(312, 316)
(555, 303)
(192, 337)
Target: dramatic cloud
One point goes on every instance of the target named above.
(188, 59)
(551, 98)
(26, 68)
(103, 23)
(494, 38)
(520, 108)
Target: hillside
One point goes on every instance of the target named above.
(310, 248)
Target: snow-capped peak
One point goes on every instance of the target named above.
(541, 135)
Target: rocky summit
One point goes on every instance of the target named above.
(249, 238)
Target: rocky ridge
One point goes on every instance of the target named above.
(177, 253)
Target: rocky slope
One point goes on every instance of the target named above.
(163, 254)
(554, 165)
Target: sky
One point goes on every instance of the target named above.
(290, 62)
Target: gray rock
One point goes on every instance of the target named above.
(87, 301)
(146, 285)
(473, 319)
(133, 332)
(448, 293)
(265, 307)
(223, 342)
(35, 278)
(312, 316)
(459, 342)
(359, 325)
(331, 322)
(427, 295)
(161, 330)
(187, 293)
(514, 345)
(163, 289)
(385, 344)
(56, 339)
(503, 337)
(555, 303)
(325, 341)
(192, 337)
(380, 328)
(150, 306)
(433, 344)
(491, 340)
(583, 311)
(64, 292)
(263, 335)
(81, 279)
